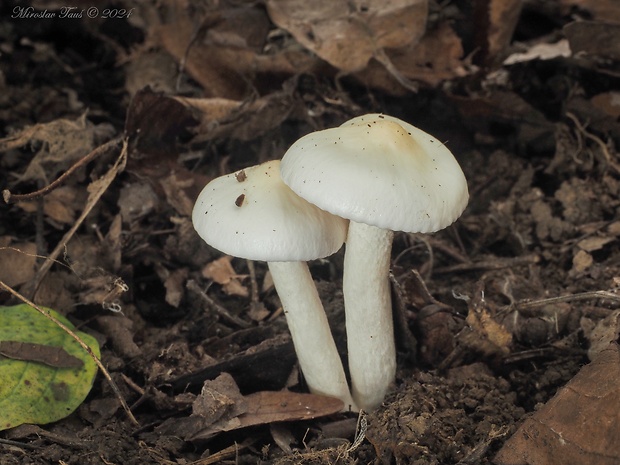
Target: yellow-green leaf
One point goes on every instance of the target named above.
(34, 392)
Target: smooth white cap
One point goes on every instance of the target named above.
(381, 171)
(252, 214)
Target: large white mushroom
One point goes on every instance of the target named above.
(252, 214)
(384, 175)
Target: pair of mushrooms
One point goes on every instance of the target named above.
(357, 184)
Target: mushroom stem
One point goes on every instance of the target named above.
(368, 307)
(312, 338)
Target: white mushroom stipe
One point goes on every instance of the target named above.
(252, 214)
(384, 175)
(307, 322)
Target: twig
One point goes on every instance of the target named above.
(21, 445)
(495, 264)
(98, 188)
(102, 149)
(194, 287)
(566, 298)
(84, 346)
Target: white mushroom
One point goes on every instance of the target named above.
(384, 175)
(252, 214)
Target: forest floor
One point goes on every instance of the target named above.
(506, 321)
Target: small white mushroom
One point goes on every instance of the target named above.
(252, 214)
(384, 175)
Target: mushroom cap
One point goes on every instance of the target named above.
(252, 214)
(381, 171)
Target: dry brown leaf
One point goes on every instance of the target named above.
(62, 142)
(605, 332)
(17, 261)
(175, 286)
(222, 272)
(480, 319)
(53, 356)
(218, 68)
(137, 200)
(153, 69)
(348, 34)
(269, 406)
(582, 260)
(266, 407)
(224, 118)
(596, 38)
(436, 58)
(175, 186)
(112, 245)
(155, 123)
(120, 330)
(59, 206)
(590, 244)
(503, 16)
(581, 424)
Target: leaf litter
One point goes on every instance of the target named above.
(506, 308)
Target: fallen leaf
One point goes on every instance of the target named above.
(226, 70)
(175, 286)
(175, 185)
(480, 319)
(604, 332)
(496, 22)
(582, 260)
(266, 407)
(590, 244)
(155, 123)
(595, 38)
(63, 141)
(270, 406)
(52, 356)
(17, 261)
(61, 204)
(137, 200)
(222, 272)
(33, 392)
(348, 34)
(437, 57)
(244, 120)
(119, 329)
(581, 424)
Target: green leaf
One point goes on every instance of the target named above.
(30, 390)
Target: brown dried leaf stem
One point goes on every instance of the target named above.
(102, 149)
(84, 346)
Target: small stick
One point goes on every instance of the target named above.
(567, 298)
(496, 264)
(194, 287)
(101, 186)
(66, 329)
(14, 198)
